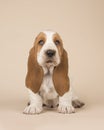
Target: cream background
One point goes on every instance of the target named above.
(81, 25)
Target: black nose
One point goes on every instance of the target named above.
(50, 53)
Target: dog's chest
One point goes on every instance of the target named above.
(47, 89)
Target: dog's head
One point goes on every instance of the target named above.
(48, 51)
(49, 48)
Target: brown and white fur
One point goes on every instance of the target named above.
(47, 78)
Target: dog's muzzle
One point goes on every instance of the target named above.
(50, 56)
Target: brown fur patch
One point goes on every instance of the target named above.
(60, 75)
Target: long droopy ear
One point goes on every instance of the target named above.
(34, 75)
(60, 75)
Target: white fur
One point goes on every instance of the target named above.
(65, 103)
(47, 90)
(36, 103)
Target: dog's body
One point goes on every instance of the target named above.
(47, 78)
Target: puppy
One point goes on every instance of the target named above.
(47, 78)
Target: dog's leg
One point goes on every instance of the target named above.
(35, 104)
(65, 103)
(76, 102)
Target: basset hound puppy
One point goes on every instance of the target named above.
(47, 78)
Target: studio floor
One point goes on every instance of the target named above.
(90, 117)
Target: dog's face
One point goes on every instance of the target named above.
(49, 48)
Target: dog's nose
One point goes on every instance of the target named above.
(50, 53)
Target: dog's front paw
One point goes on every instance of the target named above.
(66, 109)
(32, 109)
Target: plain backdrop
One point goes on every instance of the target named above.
(81, 26)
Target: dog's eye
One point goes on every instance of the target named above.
(41, 42)
(57, 42)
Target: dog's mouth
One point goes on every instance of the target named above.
(49, 61)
